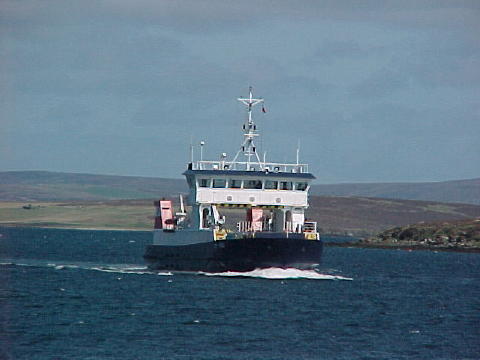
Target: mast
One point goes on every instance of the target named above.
(248, 147)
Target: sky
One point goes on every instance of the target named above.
(374, 91)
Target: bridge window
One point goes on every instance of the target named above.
(301, 186)
(271, 185)
(285, 185)
(204, 183)
(219, 183)
(252, 184)
(234, 184)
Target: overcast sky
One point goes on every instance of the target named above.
(375, 91)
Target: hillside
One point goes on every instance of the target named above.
(30, 186)
(366, 216)
(54, 186)
(460, 191)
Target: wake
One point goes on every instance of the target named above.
(268, 273)
(110, 268)
(279, 274)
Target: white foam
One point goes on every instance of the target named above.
(119, 270)
(267, 273)
(280, 274)
(111, 268)
(17, 264)
(135, 268)
(122, 269)
(127, 270)
(64, 266)
(165, 274)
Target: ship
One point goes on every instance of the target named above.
(266, 201)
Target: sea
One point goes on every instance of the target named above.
(80, 294)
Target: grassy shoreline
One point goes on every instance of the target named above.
(98, 215)
(404, 247)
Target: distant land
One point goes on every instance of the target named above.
(457, 191)
(366, 216)
(49, 199)
(362, 217)
(56, 186)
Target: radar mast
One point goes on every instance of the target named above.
(248, 147)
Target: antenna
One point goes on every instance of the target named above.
(201, 153)
(191, 150)
(202, 143)
(298, 151)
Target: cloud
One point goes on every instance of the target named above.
(193, 16)
(353, 78)
(440, 61)
(331, 51)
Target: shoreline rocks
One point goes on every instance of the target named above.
(460, 235)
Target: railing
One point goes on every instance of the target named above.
(249, 166)
(248, 226)
(291, 227)
(310, 226)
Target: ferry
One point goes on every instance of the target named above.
(243, 214)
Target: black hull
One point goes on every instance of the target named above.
(239, 255)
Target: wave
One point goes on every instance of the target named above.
(279, 274)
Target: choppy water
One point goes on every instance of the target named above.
(68, 294)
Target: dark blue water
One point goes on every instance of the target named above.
(85, 295)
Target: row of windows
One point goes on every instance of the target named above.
(252, 184)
